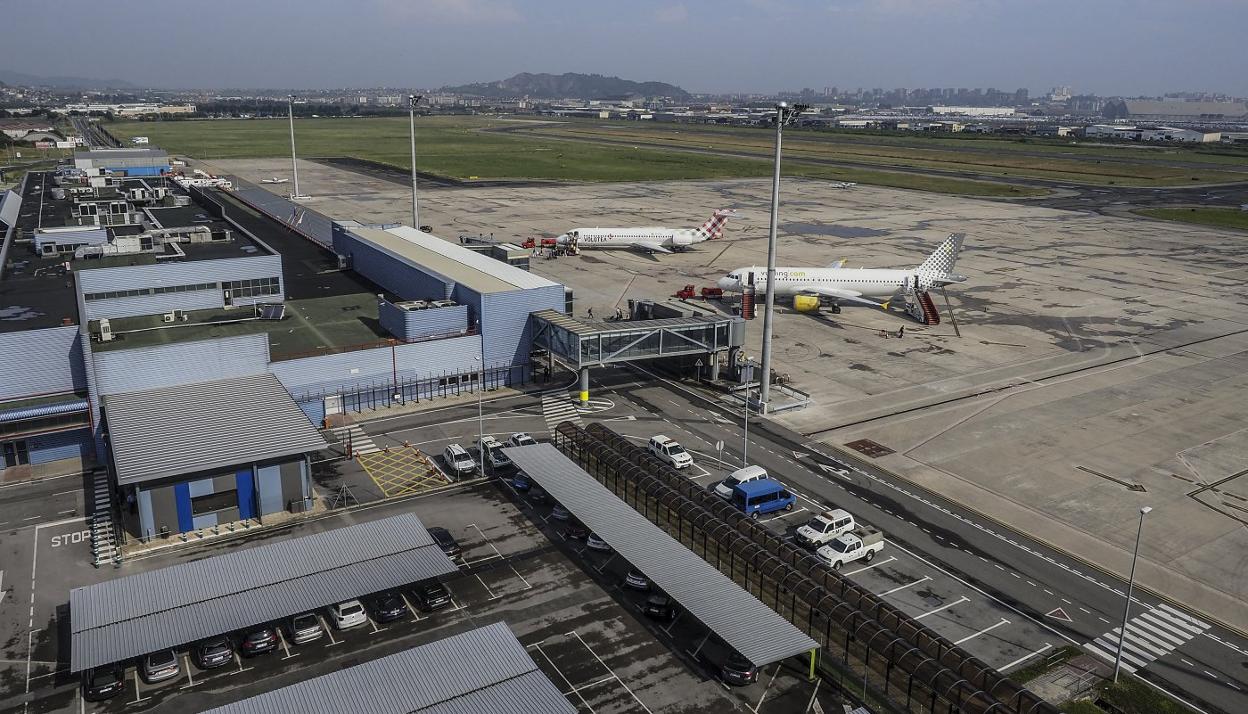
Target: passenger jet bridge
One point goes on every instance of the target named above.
(581, 344)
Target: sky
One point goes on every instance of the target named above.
(1107, 47)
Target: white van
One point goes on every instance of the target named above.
(724, 488)
(667, 450)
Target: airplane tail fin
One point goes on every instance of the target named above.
(713, 229)
(942, 260)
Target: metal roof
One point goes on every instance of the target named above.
(196, 427)
(736, 616)
(517, 277)
(146, 612)
(587, 328)
(479, 671)
(105, 154)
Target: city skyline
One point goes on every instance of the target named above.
(1114, 48)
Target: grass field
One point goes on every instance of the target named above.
(1043, 159)
(457, 147)
(1220, 217)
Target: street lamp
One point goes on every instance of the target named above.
(294, 164)
(784, 115)
(1126, 610)
(480, 419)
(745, 446)
(412, 101)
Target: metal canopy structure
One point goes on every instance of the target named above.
(196, 427)
(590, 343)
(147, 612)
(482, 670)
(736, 616)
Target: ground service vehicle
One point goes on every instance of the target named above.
(724, 488)
(762, 496)
(521, 438)
(861, 544)
(824, 527)
(668, 451)
(492, 455)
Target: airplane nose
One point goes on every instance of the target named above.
(724, 283)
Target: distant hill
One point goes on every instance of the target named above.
(570, 85)
(31, 80)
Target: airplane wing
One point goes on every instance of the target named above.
(652, 247)
(838, 264)
(837, 294)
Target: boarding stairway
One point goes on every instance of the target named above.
(104, 546)
(922, 308)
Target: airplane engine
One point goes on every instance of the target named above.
(682, 239)
(806, 303)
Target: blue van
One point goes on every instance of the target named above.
(762, 496)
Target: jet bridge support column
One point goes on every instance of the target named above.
(584, 384)
(714, 358)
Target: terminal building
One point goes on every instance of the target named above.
(191, 349)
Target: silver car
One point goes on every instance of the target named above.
(159, 666)
(304, 628)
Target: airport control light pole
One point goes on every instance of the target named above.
(1126, 610)
(294, 164)
(480, 420)
(412, 101)
(785, 114)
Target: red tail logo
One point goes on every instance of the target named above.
(714, 227)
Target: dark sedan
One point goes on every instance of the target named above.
(388, 607)
(432, 595)
(214, 652)
(100, 683)
(445, 541)
(259, 640)
(738, 670)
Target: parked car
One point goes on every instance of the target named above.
(431, 595)
(824, 527)
(458, 460)
(214, 652)
(521, 481)
(100, 683)
(738, 670)
(521, 438)
(491, 453)
(445, 541)
(259, 640)
(304, 628)
(159, 666)
(560, 513)
(593, 542)
(667, 450)
(537, 494)
(388, 607)
(636, 580)
(659, 606)
(575, 531)
(860, 544)
(724, 488)
(347, 614)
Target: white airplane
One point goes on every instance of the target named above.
(862, 285)
(274, 180)
(650, 239)
(843, 184)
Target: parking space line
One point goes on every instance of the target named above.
(873, 565)
(770, 682)
(282, 639)
(587, 686)
(325, 626)
(376, 629)
(527, 585)
(924, 579)
(672, 624)
(451, 592)
(190, 680)
(138, 689)
(487, 588)
(986, 629)
(558, 671)
(607, 562)
(811, 704)
(786, 514)
(408, 603)
(612, 671)
(1025, 657)
(241, 668)
(959, 601)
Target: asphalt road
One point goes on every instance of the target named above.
(1049, 598)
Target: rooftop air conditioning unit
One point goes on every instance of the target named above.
(106, 330)
(442, 303)
(168, 317)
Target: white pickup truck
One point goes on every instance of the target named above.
(824, 527)
(862, 544)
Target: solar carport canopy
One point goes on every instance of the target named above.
(482, 671)
(147, 612)
(736, 616)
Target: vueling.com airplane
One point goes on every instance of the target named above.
(869, 286)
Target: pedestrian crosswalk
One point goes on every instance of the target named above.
(558, 408)
(356, 439)
(1151, 635)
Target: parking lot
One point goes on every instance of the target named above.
(565, 603)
